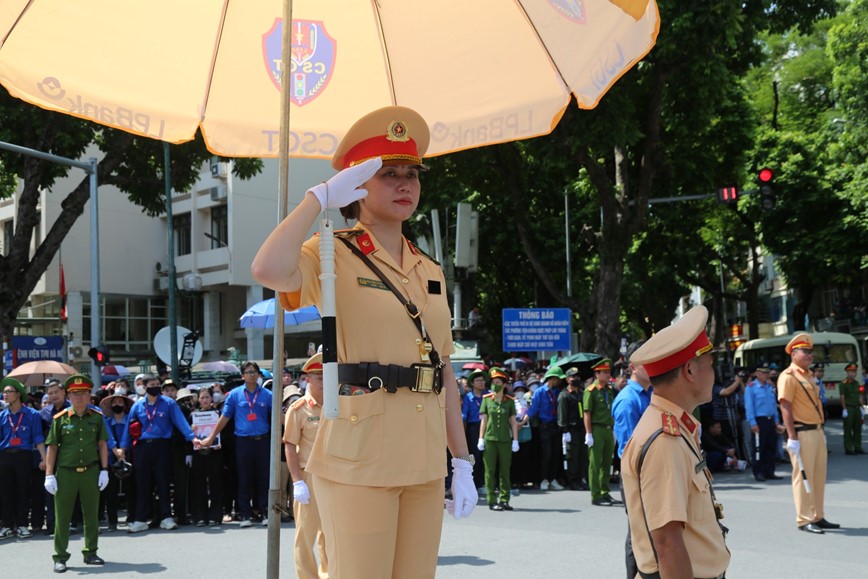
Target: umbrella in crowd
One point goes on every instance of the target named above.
(115, 370)
(221, 366)
(474, 366)
(517, 363)
(583, 361)
(261, 315)
(36, 373)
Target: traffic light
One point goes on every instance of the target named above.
(100, 355)
(766, 178)
(728, 194)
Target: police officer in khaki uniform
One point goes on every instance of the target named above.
(670, 501)
(378, 468)
(301, 426)
(76, 466)
(802, 414)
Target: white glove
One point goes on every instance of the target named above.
(844, 413)
(300, 492)
(343, 188)
(103, 480)
(188, 460)
(589, 440)
(50, 484)
(514, 446)
(464, 495)
(480, 445)
(793, 446)
(566, 437)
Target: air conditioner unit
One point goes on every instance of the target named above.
(161, 267)
(75, 352)
(218, 193)
(219, 169)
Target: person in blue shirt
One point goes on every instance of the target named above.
(544, 408)
(819, 370)
(115, 411)
(158, 416)
(761, 409)
(470, 405)
(250, 406)
(20, 434)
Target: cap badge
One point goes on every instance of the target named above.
(397, 132)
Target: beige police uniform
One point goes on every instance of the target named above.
(798, 386)
(673, 486)
(379, 467)
(302, 424)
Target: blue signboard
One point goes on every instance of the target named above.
(32, 348)
(536, 329)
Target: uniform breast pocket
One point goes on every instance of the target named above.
(699, 503)
(357, 434)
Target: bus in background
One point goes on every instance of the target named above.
(833, 349)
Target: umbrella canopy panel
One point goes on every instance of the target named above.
(479, 72)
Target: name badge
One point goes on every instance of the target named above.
(251, 417)
(15, 442)
(374, 283)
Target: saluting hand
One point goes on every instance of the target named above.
(343, 188)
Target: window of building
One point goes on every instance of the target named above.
(219, 226)
(183, 234)
(8, 228)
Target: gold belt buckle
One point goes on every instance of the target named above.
(424, 379)
(81, 469)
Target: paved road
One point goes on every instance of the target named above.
(552, 534)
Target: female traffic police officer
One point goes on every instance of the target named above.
(378, 468)
(498, 439)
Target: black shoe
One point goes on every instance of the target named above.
(849, 452)
(824, 524)
(613, 500)
(73, 529)
(506, 507)
(603, 502)
(60, 567)
(495, 507)
(760, 478)
(774, 477)
(93, 559)
(812, 528)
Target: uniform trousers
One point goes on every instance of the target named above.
(497, 457)
(153, 469)
(810, 507)
(309, 536)
(252, 457)
(15, 471)
(72, 485)
(768, 437)
(206, 486)
(600, 461)
(853, 429)
(381, 532)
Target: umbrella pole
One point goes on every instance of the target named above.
(272, 567)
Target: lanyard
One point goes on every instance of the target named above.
(249, 403)
(553, 401)
(15, 427)
(151, 415)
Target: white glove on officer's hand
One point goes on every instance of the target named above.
(514, 446)
(300, 492)
(480, 445)
(103, 480)
(589, 440)
(342, 189)
(50, 484)
(566, 437)
(844, 413)
(188, 460)
(464, 495)
(793, 446)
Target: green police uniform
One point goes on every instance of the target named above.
(498, 445)
(849, 390)
(77, 470)
(598, 402)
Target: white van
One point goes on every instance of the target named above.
(833, 349)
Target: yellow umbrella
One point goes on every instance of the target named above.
(36, 373)
(480, 71)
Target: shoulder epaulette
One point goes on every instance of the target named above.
(593, 386)
(297, 404)
(61, 413)
(670, 424)
(509, 397)
(95, 409)
(415, 249)
(349, 233)
(489, 395)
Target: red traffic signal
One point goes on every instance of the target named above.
(766, 175)
(727, 194)
(99, 355)
(766, 179)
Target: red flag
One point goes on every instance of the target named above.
(62, 295)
